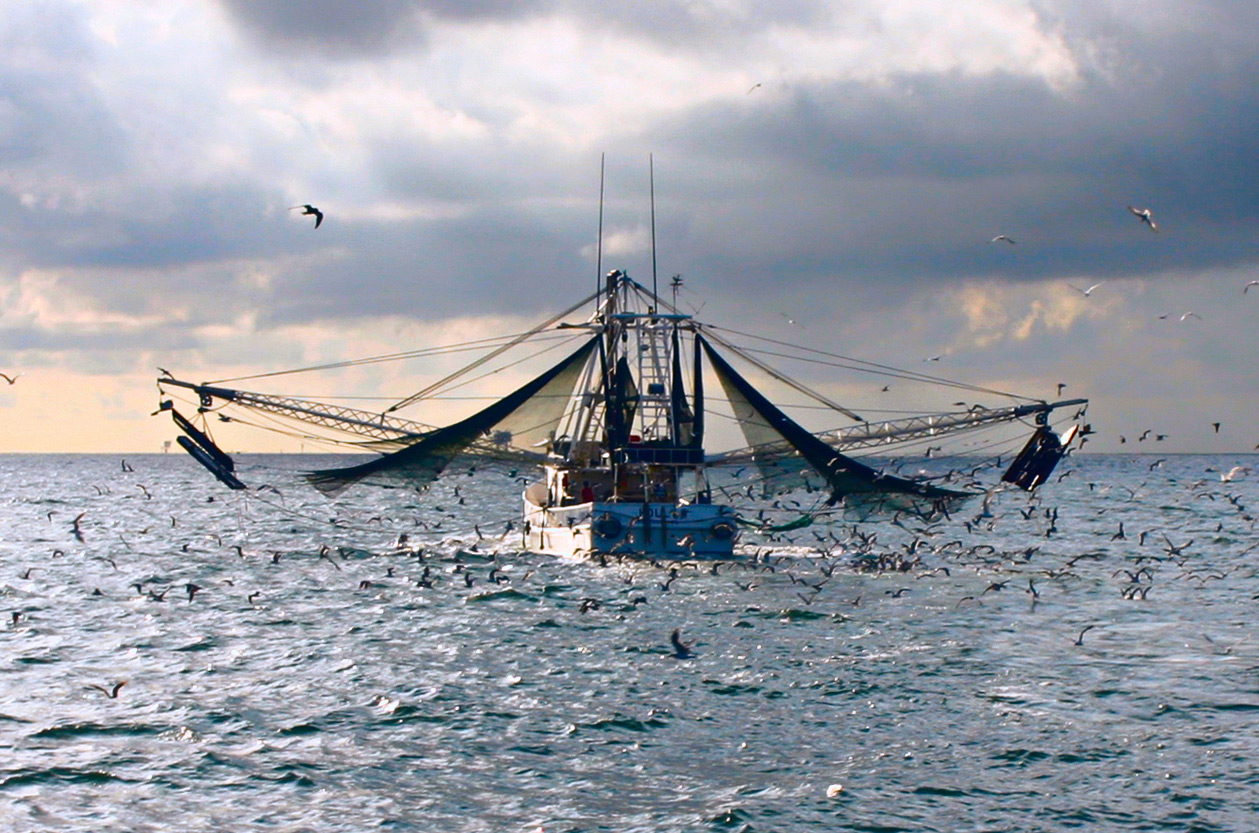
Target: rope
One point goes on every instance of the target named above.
(864, 366)
(385, 357)
(441, 383)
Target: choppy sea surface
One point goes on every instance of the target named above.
(1030, 665)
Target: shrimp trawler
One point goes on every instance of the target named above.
(615, 431)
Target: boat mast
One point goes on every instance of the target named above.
(611, 402)
(599, 242)
(651, 180)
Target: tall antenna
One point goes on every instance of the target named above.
(599, 245)
(651, 178)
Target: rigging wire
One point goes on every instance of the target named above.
(324, 397)
(568, 339)
(440, 350)
(869, 366)
(441, 383)
(858, 365)
(283, 422)
(907, 375)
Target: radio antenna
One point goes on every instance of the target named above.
(599, 244)
(651, 179)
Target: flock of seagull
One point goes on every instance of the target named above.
(805, 565)
(1146, 216)
(809, 566)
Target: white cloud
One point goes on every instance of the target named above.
(40, 299)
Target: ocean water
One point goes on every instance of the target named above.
(1016, 668)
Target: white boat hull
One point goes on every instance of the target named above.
(653, 530)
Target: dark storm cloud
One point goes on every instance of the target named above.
(897, 183)
(492, 260)
(337, 28)
(699, 26)
(354, 29)
(328, 26)
(172, 225)
(51, 114)
(128, 344)
(906, 181)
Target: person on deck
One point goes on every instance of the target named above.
(587, 493)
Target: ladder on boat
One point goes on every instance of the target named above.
(655, 405)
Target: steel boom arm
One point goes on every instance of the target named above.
(888, 432)
(349, 420)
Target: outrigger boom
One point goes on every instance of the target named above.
(896, 431)
(374, 426)
(387, 430)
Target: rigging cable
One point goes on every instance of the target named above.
(439, 384)
(385, 357)
(874, 367)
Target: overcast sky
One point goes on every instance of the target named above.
(842, 164)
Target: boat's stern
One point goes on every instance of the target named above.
(653, 530)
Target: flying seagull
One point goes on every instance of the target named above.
(310, 209)
(1191, 314)
(1146, 217)
(1234, 473)
(1247, 287)
(111, 692)
(681, 650)
(1084, 292)
(1001, 237)
(8, 378)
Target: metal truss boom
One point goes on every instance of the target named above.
(890, 432)
(350, 420)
